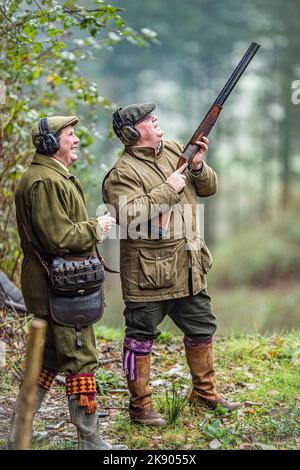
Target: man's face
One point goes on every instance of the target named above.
(150, 132)
(68, 143)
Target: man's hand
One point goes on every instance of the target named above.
(197, 160)
(177, 179)
(106, 221)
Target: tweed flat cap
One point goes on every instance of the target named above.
(136, 112)
(55, 124)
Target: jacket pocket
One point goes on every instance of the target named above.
(206, 257)
(158, 268)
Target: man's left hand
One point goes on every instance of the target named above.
(197, 160)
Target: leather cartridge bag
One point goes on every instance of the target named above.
(76, 291)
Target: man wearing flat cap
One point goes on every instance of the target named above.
(53, 220)
(165, 274)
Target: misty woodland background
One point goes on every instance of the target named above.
(87, 57)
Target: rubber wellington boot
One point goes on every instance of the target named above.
(41, 393)
(87, 425)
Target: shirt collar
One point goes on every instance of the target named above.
(145, 153)
(52, 163)
(60, 163)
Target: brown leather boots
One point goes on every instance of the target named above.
(141, 408)
(200, 360)
(201, 363)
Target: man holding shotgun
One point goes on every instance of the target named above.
(155, 181)
(162, 276)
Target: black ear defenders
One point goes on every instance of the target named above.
(48, 142)
(125, 129)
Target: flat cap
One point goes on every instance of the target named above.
(135, 112)
(55, 124)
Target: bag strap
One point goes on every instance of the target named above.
(109, 270)
(44, 263)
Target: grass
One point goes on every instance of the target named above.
(108, 333)
(263, 371)
(173, 403)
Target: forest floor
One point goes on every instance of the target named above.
(263, 372)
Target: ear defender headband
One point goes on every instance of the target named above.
(125, 129)
(48, 141)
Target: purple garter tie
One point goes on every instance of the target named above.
(132, 348)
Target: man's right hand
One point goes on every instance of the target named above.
(177, 179)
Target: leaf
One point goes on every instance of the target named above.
(213, 430)
(54, 79)
(277, 340)
(214, 444)
(263, 446)
(52, 32)
(252, 411)
(272, 354)
(119, 22)
(37, 48)
(30, 31)
(40, 435)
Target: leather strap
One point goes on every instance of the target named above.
(109, 270)
(44, 263)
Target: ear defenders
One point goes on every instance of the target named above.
(48, 142)
(125, 129)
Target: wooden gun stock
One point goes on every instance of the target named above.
(203, 130)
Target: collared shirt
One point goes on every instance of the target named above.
(61, 164)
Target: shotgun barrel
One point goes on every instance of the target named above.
(212, 115)
(237, 73)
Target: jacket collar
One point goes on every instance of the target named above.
(145, 153)
(40, 159)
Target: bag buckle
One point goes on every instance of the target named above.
(78, 337)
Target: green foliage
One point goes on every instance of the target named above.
(165, 337)
(104, 332)
(215, 430)
(42, 46)
(105, 380)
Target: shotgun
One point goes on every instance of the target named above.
(212, 115)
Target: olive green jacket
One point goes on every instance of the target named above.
(157, 269)
(51, 210)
